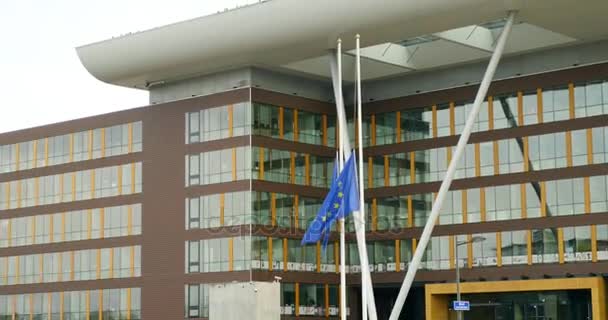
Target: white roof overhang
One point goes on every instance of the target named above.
(296, 35)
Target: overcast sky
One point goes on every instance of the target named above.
(41, 78)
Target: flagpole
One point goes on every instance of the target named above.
(449, 175)
(364, 275)
(341, 138)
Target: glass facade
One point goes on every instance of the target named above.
(117, 304)
(392, 176)
(72, 147)
(92, 264)
(72, 186)
(77, 225)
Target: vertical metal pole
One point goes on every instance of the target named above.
(357, 218)
(364, 275)
(341, 139)
(445, 184)
(458, 313)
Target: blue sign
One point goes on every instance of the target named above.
(461, 305)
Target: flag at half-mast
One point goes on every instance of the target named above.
(341, 200)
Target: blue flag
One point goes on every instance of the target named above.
(341, 200)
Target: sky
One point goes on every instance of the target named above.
(41, 78)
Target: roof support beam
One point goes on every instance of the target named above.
(388, 53)
(475, 37)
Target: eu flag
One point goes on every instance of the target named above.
(341, 200)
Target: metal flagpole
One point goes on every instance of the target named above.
(343, 133)
(341, 139)
(364, 275)
(445, 185)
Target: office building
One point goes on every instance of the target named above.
(136, 213)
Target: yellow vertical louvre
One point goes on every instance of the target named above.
(327, 300)
(543, 199)
(132, 178)
(103, 142)
(50, 305)
(337, 255)
(594, 243)
(398, 255)
(523, 201)
(61, 176)
(261, 164)
(296, 211)
(292, 167)
(281, 122)
(35, 153)
(71, 147)
(560, 244)
(19, 192)
(98, 271)
(89, 223)
(434, 120)
(410, 212)
(9, 232)
(231, 254)
(370, 172)
(490, 113)
(412, 167)
(270, 254)
(477, 160)
(526, 154)
(231, 120)
(102, 222)
(470, 251)
(589, 133)
(61, 305)
(60, 267)
(100, 304)
(296, 129)
(307, 169)
(372, 130)
(387, 180)
(520, 108)
(130, 220)
(63, 222)
(529, 246)
(120, 180)
(88, 305)
(398, 126)
(31, 298)
(273, 209)
(297, 294)
(374, 214)
(46, 152)
(72, 265)
(498, 249)
(128, 303)
(539, 105)
(451, 251)
(285, 256)
(51, 229)
(36, 191)
(324, 124)
(571, 100)
(452, 119)
(569, 148)
(130, 137)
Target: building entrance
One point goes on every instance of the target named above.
(546, 305)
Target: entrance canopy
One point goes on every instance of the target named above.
(398, 36)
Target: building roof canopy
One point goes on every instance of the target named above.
(398, 35)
